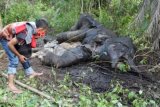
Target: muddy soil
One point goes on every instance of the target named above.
(99, 75)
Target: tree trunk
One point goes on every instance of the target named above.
(151, 8)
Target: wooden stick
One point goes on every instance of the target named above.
(30, 88)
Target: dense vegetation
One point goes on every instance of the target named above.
(67, 93)
(116, 15)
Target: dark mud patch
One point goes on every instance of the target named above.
(98, 77)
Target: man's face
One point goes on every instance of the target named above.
(40, 33)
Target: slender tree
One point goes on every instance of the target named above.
(152, 9)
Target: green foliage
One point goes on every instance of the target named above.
(117, 15)
(62, 24)
(2, 6)
(62, 14)
(123, 67)
(67, 12)
(132, 95)
(25, 11)
(66, 95)
(17, 12)
(143, 61)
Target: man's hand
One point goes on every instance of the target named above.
(22, 58)
(11, 45)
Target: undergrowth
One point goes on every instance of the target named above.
(71, 94)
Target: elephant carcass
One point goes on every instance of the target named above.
(71, 36)
(85, 21)
(69, 57)
(85, 30)
(54, 48)
(115, 49)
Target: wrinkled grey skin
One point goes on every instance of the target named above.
(116, 49)
(85, 30)
(99, 40)
(70, 57)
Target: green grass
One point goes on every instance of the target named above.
(70, 94)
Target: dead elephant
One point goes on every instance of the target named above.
(97, 39)
(116, 49)
(85, 30)
(68, 58)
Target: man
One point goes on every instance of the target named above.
(17, 37)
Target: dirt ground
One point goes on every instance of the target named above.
(99, 75)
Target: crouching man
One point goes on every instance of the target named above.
(17, 39)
